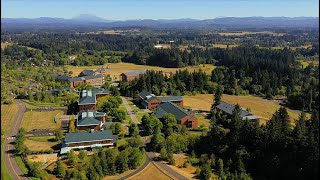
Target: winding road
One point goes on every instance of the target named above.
(9, 160)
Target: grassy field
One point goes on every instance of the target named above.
(39, 145)
(21, 164)
(38, 120)
(4, 45)
(4, 172)
(224, 45)
(259, 106)
(202, 121)
(36, 105)
(117, 68)
(150, 172)
(8, 113)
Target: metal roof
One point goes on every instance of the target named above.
(85, 78)
(88, 118)
(143, 94)
(133, 73)
(170, 98)
(228, 108)
(79, 137)
(87, 72)
(89, 96)
(171, 108)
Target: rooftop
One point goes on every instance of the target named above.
(85, 78)
(89, 96)
(88, 118)
(133, 73)
(229, 108)
(79, 137)
(172, 108)
(170, 98)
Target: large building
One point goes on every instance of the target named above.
(88, 98)
(88, 140)
(94, 80)
(90, 72)
(150, 101)
(90, 119)
(183, 116)
(228, 109)
(129, 76)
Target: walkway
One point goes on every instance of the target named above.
(129, 110)
(9, 160)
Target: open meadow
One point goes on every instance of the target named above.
(117, 68)
(150, 172)
(258, 106)
(38, 120)
(41, 143)
(8, 113)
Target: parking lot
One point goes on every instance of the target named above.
(41, 132)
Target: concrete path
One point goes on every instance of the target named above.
(9, 160)
(129, 111)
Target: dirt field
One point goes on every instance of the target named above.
(8, 113)
(259, 106)
(150, 172)
(40, 120)
(118, 68)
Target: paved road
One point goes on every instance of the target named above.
(9, 159)
(129, 110)
(167, 168)
(146, 163)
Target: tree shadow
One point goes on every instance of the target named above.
(56, 147)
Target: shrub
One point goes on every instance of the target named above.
(8, 101)
(186, 164)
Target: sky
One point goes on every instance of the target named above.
(158, 9)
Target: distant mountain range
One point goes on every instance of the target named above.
(222, 22)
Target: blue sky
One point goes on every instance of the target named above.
(158, 9)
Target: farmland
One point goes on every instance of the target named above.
(8, 113)
(258, 106)
(118, 68)
(37, 120)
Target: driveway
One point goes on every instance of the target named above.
(9, 160)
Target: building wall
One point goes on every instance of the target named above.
(153, 103)
(86, 127)
(95, 82)
(123, 77)
(83, 108)
(190, 122)
(106, 142)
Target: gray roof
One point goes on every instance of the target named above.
(88, 118)
(85, 78)
(63, 77)
(133, 73)
(172, 108)
(87, 72)
(170, 98)
(89, 96)
(228, 108)
(143, 94)
(89, 136)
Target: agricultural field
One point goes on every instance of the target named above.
(150, 172)
(8, 113)
(117, 68)
(242, 33)
(258, 106)
(38, 120)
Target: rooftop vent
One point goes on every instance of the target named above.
(90, 114)
(84, 114)
(89, 93)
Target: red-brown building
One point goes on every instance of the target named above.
(94, 80)
(129, 76)
(89, 72)
(183, 117)
(150, 101)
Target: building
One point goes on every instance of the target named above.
(90, 119)
(129, 76)
(88, 140)
(94, 80)
(63, 78)
(88, 98)
(229, 108)
(150, 101)
(183, 117)
(90, 72)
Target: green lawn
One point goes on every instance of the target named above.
(21, 164)
(202, 121)
(4, 172)
(35, 105)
